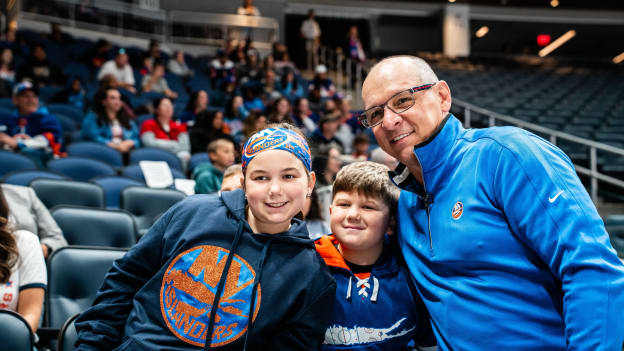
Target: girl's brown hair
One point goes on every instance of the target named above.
(8, 246)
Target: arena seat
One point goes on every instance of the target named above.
(196, 159)
(95, 227)
(96, 151)
(18, 335)
(67, 110)
(147, 204)
(68, 335)
(135, 172)
(10, 161)
(81, 168)
(53, 192)
(75, 274)
(113, 185)
(24, 178)
(154, 154)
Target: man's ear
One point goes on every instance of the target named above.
(444, 93)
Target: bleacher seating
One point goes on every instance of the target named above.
(68, 335)
(147, 204)
(24, 178)
(113, 185)
(196, 159)
(153, 154)
(95, 227)
(10, 161)
(17, 333)
(96, 151)
(135, 172)
(53, 192)
(81, 168)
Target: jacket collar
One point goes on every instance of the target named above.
(326, 247)
(431, 154)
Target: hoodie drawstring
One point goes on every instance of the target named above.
(254, 291)
(363, 284)
(221, 285)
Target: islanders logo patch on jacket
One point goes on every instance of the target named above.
(188, 291)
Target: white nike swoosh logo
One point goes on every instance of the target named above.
(555, 198)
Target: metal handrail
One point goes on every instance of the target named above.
(349, 75)
(554, 135)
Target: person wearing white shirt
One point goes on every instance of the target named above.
(311, 32)
(120, 69)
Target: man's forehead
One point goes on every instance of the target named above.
(387, 81)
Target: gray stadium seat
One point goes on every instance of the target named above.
(95, 227)
(147, 204)
(53, 192)
(17, 333)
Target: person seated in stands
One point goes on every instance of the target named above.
(57, 36)
(280, 111)
(7, 72)
(209, 126)
(290, 87)
(235, 109)
(361, 143)
(30, 214)
(322, 82)
(178, 66)
(232, 178)
(153, 50)
(268, 86)
(256, 121)
(30, 130)
(326, 164)
(74, 94)
(164, 133)
(39, 70)
(284, 64)
(251, 99)
(209, 175)
(147, 65)
(252, 70)
(304, 117)
(197, 104)
(96, 56)
(121, 70)
(325, 135)
(221, 70)
(110, 82)
(23, 277)
(156, 82)
(109, 124)
(312, 214)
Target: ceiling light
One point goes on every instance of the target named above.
(451, 0)
(619, 58)
(557, 43)
(481, 32)
(554, 3)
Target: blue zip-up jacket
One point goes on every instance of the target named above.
(159, 295)
(93, 131)
(377, 312)
(505, 245)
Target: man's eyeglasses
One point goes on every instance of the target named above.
(398, 103)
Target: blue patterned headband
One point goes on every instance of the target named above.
(277, 139)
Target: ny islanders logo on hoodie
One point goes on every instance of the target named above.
(188, 291)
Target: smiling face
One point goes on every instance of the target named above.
(276, 185)
(399, 133)
(359, 222)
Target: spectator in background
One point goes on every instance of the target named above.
(248, 9)
(109, 81)
(251, 100)
(7, 72)
(235, 109)
(322, 82)
(280, 111)
(221, 70)
(209, 126)
(209, 175)
(290, 87)
(29, 213)
(255, 122)
(283, 64)
(96, 56)
(73, 94)
(311, 32)
(346, 128)
(361, 143)
(356, 50)
(304, 117)
(156, 82)
(147, 65)
(153, 50)
(178, 66)
(327, 164)
(252, 70)
(232, 178)
(121, 70)
(313, 216)
(268, 86)
(23, 278)
(324, 137)
(163, 132)
(57, 36)
(380, 156)
(30, 130)
(40, 70)
(197, 104)
(109, 124)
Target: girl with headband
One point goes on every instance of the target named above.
(170, 291)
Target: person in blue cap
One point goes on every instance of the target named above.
(234, 271)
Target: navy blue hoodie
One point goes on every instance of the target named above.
(159, 295)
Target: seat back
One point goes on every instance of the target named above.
(113, 185)
(75, 274)
(80, 168)
(17, 332)
(95, 227)
(146, 204)
(96, 151)
(153, 154)
(67, 110)
(53, 192)
(25, 177)
(196, 159)
(135, 172)
(10, 162)
(68, 335)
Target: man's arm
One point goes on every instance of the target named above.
(548, 208)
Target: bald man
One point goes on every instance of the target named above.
(505, 245)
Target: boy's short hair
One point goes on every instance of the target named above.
(234, 169)
(361, 138)
(214, 145)
(369, 179)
